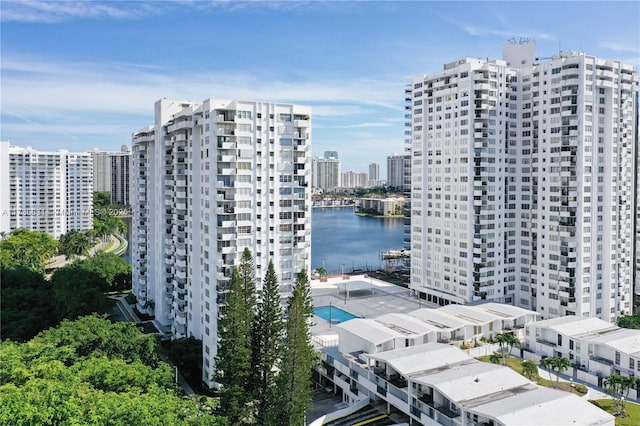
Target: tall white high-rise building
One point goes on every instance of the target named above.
(111, 172)
(399, 171)
(327, 171)
(523, 183)
(45, 191)
(210, 179)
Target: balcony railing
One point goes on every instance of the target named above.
(546, 342)
(600, 359)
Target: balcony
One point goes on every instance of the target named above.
(546, 342)
(601, 360)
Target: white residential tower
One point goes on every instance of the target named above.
(210, 179)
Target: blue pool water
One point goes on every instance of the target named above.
(333, 314)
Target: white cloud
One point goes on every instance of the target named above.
(620, 47)
(505, 33)
(59, 11)
(54, 88)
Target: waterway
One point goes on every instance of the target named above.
(343, 241)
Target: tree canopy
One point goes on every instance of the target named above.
(93, 372)
(74, 243)
(78, 291)
(630, 321)
(26, 304)
(30, 249)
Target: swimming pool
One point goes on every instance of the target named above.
(333, 314)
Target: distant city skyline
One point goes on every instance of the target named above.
(80, 75)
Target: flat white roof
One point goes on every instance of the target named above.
(440, 319)
(369, 330)
(545, 407)
(502, 310)
(406, 324)
(622, 339)
(421, 358)
(475, 316)
(467, 381)
(575, 326)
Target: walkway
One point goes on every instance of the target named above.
(111, 245)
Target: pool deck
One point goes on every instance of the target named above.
(365, 297)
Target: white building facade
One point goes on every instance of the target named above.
(523, 181)
(327, 173)
(593, 345)
(354, 180)
(45, 191)
(439, 384)
(210, 179)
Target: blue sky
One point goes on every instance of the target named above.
(79, 75)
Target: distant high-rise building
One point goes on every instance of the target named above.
(399, 171)
(45, 191)
(354, 180)
(326, 172)
(331, 154)
(210, 179)
(111, 172)
(374, 175)
(523, 182)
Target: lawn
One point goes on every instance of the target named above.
(516, 365)
(633, 410)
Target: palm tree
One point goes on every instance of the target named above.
(529, 369)
(322, 272)
(506, 340)
(74, 243)
(618, 387)
(560, 364)
(546, 364)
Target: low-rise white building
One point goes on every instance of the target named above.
(436, 383)
(593, 345)
(452, 323)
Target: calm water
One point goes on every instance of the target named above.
(339, 237)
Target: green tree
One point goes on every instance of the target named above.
(31, 249)
(93, 372)
(294, 380)
(113, 271)
(26, 307)
(630, 321)
(74, 243)
(506, 340)
(267, 334)
(78, 291)
(94, 336)
(558, 364)
(529, 369)
(546, 363)
(101, 200)
(618, 386)
(233, 361)
(246, 272)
